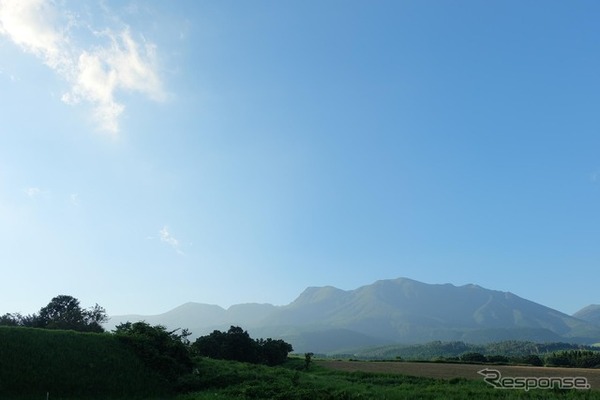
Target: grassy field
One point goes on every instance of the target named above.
(67, 364)
(345, 380)
(467, 371)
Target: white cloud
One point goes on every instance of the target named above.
(95, 73)
(166, 237)
(28, 23)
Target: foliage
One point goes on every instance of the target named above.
(574, 358)
(307, 360)
(62, 312)
(11, 319)
(236, 344)
(473, 357)
(34, 362)
(531, 359)
(497, 359)
(163, 351)
(273, 352)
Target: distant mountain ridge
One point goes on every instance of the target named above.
(328, 319)
(590, 313)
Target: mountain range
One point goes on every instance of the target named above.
(403, 311)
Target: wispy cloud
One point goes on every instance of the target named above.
(75, 199)
(11, 77)
(33, 192)
(95, 72)
(166, 237)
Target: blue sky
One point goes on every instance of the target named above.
(154, 153)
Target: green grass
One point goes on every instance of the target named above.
(233, 380)
(71, 365)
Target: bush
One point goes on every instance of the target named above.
(163, 351)
(497, 359)
(473, 357)
(532, 359)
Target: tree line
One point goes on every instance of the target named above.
(563, 358)
(62, 312)
(511, 350)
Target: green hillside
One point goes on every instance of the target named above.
(68, 364)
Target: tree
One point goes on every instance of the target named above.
(273, 352)
(212, 345)
(95, 317)
(307, 360)
(240, 346)
(11, 319)
(236, 344)
(533, 359)
(64, 312)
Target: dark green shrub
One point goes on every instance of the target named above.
(473, 357)
(497, 359)
(163, 351)
(237, 345)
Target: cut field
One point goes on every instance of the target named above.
(468, 371)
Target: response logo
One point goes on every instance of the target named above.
(494, 378)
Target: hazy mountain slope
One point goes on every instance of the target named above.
(590, 313)
(200, 318)
(327, 319)
(404, 310)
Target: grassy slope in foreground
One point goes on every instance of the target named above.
(71, 364)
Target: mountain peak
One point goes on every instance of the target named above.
(589, 313)
(314, 294)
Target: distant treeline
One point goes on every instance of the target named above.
(506, 352)
(62, 312)
(436, 349)
(563, 358)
